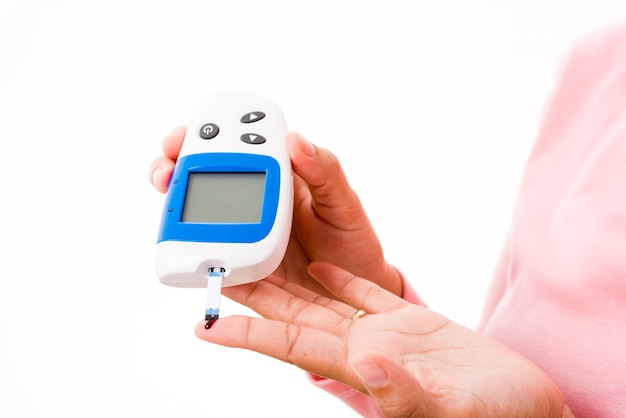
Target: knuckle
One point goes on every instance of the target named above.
(292, 334)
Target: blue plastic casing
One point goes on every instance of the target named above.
(173, 229)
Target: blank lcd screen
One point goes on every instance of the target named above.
(224, 198)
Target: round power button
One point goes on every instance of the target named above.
(209, 131)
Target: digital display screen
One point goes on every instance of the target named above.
(220, 197)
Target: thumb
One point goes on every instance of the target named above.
(323, 179)
(397, 393)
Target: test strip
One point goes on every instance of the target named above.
(214, 293)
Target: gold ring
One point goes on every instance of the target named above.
(359, 314)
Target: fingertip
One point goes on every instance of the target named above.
(326, 182)
(394, 389)
(199, 330)
(161, 179)
(155, 178)
(297, 144)
(173, 142)
(370, 372)
(227, 331)
(205, 333)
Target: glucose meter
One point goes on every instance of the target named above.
(229, 203)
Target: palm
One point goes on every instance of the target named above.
(453, 364)
(459, 372)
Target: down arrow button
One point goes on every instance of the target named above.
(252, 139)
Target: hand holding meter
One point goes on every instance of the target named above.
(229, 204)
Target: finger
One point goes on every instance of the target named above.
(316, 351)
(355, 291)
(294, 266)
(273, 302)
(161, 168)
(173, 142)
(342, 309)
(397, 393)
(160, 173)
(326, 185)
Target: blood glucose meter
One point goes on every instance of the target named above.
(229, 202)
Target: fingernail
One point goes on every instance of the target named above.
(307, 147)
(370, 373)
(155, 176)
(304, 146)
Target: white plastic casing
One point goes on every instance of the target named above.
(181, 263)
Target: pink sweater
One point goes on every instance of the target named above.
(559, 292)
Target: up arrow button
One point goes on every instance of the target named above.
(252, 117)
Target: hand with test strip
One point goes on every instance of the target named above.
(412, 361)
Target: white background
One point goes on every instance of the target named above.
(432, 107)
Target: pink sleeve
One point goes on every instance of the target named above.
(358, 401)
(504, 268)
